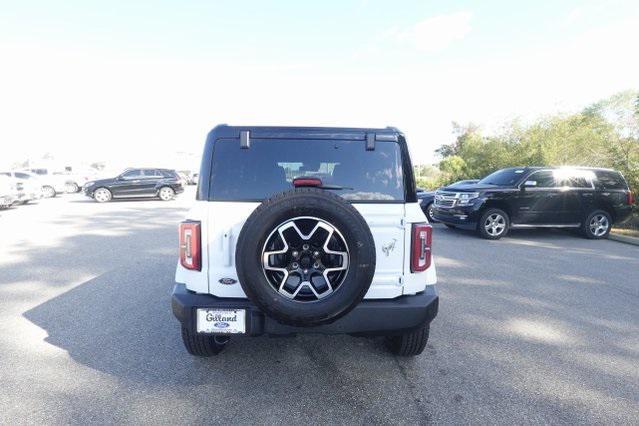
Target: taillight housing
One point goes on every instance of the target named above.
(421, 247)
(631, 198)
(190, 245)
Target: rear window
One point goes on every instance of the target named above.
(269, 166)
(610, 180)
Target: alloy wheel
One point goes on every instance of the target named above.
(48, 192)
(305, 259)
(495, 224)
(71, 188)
(166, 194)
(102, 195)
(599, 225)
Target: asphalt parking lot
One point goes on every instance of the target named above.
(540, 327)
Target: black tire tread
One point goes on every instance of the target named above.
(428, 208)
(411, 343)
(200, 345)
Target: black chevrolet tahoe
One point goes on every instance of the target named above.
(588, 199)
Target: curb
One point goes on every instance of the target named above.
(624, 239)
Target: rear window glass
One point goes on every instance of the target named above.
(269, 166)
(168, 173)
(610, 180)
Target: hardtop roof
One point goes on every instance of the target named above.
(293, 132)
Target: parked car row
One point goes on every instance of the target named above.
(24, 186)
(589, 200)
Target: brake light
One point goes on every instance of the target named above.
(306, 181)
(190, 245)
(631, 198)
(421, 247)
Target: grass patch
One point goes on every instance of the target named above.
(626, 231)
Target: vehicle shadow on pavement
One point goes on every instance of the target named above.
(120, 323)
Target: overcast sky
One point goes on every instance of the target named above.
(113, 79)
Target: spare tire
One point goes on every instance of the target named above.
(305, 257)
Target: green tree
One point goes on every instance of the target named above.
(453, 168)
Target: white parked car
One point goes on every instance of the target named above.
(305, 230)
(28, 186)
(52, 183)
(7, 192)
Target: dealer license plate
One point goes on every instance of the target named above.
(221, 321)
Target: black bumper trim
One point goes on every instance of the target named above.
(371, 317)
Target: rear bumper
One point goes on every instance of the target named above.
(624, 214)
(370, 317)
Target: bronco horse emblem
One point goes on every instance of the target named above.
(387, 248)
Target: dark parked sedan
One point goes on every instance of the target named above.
(426, 198)
(136, 183)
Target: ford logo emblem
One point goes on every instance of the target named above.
(227, 281)
(221, 324)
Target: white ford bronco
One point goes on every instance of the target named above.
(305, 230)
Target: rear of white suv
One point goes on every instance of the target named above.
(300, 230)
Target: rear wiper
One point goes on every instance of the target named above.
(335, 187)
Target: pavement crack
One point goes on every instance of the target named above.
(424, 415)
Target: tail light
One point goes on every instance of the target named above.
(421, 243)
(631, 198)
(190, 245)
